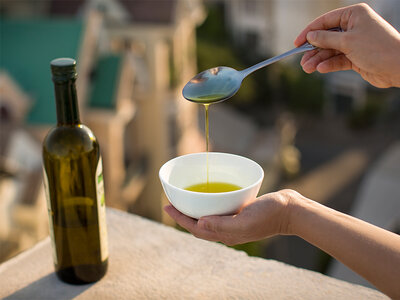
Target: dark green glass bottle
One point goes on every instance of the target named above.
(74, 186)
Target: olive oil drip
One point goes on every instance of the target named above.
(207, 139)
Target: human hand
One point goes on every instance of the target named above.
(259, 218)
(368, 45)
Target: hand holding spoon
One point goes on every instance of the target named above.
(220, 83)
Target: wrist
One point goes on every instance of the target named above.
(294, 203)
(296, 212)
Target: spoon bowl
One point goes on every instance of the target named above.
(213, 85)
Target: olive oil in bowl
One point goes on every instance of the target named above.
(179, 174)
(213, 187)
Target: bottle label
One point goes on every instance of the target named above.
(50, 214)
(101, 208)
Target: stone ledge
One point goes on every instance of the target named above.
(152, 261)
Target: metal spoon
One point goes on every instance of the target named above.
(220, 83)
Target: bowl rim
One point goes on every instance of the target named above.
(212, 153)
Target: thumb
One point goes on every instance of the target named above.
(326, 39)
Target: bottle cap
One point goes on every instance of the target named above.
(63, 69)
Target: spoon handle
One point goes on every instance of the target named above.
(303, 48)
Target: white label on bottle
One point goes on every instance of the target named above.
(50, 214)
(101, 208)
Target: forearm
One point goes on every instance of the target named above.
(372, 252)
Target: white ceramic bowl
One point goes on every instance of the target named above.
(184, 171)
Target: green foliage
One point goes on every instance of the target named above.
(323, 262)
(252, 248)
(173, 74)
(213, 28)
(367, 115)
(210, 55)
(214, 49)
(302, 92)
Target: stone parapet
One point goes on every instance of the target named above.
(153, 261)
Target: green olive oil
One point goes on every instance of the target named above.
(213, 187)
(207, 135)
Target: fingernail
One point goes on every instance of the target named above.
(311, 36)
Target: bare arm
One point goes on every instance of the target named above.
(372, 252)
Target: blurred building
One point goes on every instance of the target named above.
(271, 26)
(133, 60)
(159, 37)
(21, 191)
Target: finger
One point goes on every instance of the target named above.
(327, 39)
(308, 55)
(311, 64)
(335, 63)
(329, 20)
(184, 221)
(190, 224)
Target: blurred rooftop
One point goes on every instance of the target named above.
(20, 38)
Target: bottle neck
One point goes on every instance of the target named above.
(66, 103)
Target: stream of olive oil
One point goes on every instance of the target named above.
(211, 187)
(207, 135)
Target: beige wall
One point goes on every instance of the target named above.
(291, 16)
(86, 57)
